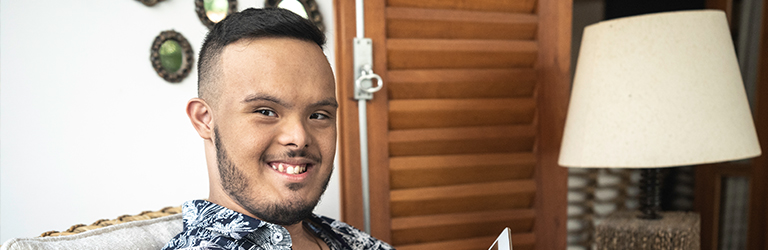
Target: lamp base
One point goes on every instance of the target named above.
(623, 230)
(650, 193)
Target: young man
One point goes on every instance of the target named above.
(267, 115)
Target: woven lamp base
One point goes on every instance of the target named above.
(623, 230)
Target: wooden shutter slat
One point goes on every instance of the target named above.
(446, 170)
(403, 59)
(461, 83)
(428, 29)
(511, 75)
(437, 113)
(416, 178)
(523, 6)
(447, 134)
(460, 90)
(441, 119)
(460, 231)
(419, 235)
(458, 191)
(467, 104)
(459, 45)
(458, 219)
(520, 241)
(456, 161)
(459, 147)
(452, 53)
(461, 204)
(462, 244)
(444, 141)
(460, 16)
(458, 24)
(462, 140)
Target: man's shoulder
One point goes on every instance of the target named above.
(355, 238)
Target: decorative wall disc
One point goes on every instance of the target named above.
(171, 56)
(305, 8)
(211, 12)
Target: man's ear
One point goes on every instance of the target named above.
(200, 115)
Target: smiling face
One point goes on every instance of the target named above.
(274, 128)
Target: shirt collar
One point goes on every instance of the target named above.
(207, 216)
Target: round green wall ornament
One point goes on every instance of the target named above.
(171, 56)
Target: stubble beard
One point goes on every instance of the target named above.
(234, 183)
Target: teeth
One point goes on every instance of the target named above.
(289, 169)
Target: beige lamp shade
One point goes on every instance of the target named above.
(658, 90)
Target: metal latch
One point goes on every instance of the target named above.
(364, 88)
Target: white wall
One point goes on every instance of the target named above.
(88, 130)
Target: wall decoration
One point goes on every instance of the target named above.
(211, 12)
(150, 2)
(305, 8)
(171, 56)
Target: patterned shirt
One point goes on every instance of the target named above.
(211, 226)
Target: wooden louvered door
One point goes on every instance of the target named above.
(465, 134)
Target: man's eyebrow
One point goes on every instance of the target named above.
(327, 102)
(264, 97)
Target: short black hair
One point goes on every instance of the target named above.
(249, 24)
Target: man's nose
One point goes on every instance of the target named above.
(294, 134)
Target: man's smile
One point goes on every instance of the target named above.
(292, 169)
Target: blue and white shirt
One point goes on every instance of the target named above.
(210, 226)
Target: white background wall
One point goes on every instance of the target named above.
(88, 130)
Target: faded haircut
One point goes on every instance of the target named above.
(248, 24)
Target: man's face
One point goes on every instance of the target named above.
(275, 127)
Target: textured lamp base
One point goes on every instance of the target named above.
(623, 230)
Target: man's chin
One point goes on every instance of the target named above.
(282, 214)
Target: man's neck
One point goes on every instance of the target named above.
(303, 239)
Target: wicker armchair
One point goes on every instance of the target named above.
(147, 230)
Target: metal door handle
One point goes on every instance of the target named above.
(367, 74)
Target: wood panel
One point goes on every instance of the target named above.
(461, 83)
(378, 117)
(520, 241)
(453, 24)
(349, 148)
(419, 229)
(553, 67)
(459, 219)
(459, 191)
(467, 230)
(436, 113)
(757, 237)
(458, 126)
(487, 196)
(455, 54)
(424, 171)
(492, 139)
(518, 6)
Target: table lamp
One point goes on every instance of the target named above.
(655, 91)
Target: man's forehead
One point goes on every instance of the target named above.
(277, 67)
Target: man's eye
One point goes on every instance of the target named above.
(266, 112)
(318, 116)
